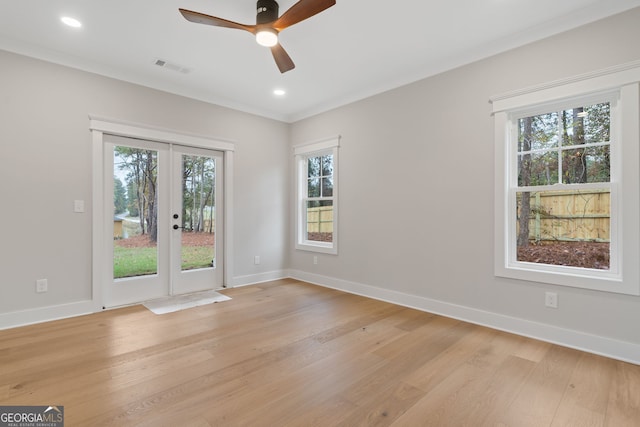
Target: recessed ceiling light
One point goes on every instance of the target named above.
(72, 22)
(279, 92)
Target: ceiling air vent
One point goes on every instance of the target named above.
(172, 66)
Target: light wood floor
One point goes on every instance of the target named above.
(288, 353)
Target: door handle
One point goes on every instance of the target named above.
(176, 226)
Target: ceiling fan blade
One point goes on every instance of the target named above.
(283, 60)
(300, 11)
(201, 18)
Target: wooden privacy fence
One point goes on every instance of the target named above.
(320, 219)
(583, 215)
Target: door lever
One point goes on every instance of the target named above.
(176, 226)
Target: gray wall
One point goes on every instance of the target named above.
(422, 158)
(46, 163)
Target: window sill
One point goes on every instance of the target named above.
(597, 280)
(321, 247)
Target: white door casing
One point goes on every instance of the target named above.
(101, 130)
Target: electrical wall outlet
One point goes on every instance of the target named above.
(42, 285)
(315, 260)
(256, 260)
(551, 299)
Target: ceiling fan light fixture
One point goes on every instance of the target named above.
(267, 37)
(268, 24)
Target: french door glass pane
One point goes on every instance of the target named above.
(198, 212)
(135, 196)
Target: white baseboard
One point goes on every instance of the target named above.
(252, 279)
(615, 349)
(45, 314)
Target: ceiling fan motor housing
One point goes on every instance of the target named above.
(267, 11)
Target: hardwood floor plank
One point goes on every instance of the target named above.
(434, 371)
(384, 407)
(585, 400)
(326, 413)
(334, 358)
(539, 398)
(623, 408)
(476, 390)
(409, 352)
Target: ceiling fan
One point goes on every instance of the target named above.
(268, 24)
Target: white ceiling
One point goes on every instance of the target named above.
(352, 50)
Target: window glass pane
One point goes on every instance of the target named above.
(313, 168)
(538, 168)
(586, 125)
(582, 165)
(538, 132)
(320, 221)
(568, 228)
(313, 187)
(327, 165)
(598, 164)
(597, 121)
(327, 187)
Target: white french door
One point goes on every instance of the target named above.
(163, 220)
(196, 218)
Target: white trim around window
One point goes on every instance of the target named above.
(621, 86)
(321, 150)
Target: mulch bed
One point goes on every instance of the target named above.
(320, 237)
(575, 254)
(188, 239)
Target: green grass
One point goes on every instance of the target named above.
(131, 262)
(196, 257)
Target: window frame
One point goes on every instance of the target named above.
(302, 153)
(619, 86)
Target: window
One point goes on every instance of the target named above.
(567, 182)
(562, 195)
(317, 190)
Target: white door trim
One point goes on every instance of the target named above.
(99, 127)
